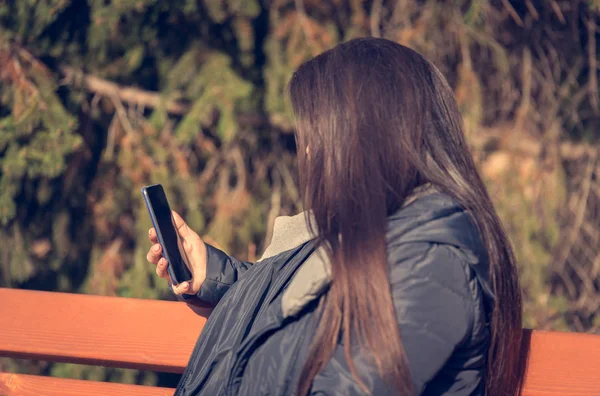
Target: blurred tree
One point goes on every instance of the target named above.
(99, 98)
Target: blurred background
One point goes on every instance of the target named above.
(101, 97)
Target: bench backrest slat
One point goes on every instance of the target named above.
(97, 330)
(160, 335)
(565, 364)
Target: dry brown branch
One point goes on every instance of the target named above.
(110, 138)
(575, 99)
(557, 11)
(208, 173)
(587, 251)
(579, 327)
(289, 183)
(400, 19)
(13, 72)
(525, 104)
(592, 233)
(567, 282)
(576, 307)
(596, 266)
(593, 80)
(140, 98)
(585, 279)
(571, 79)
(306, 29)
(240, 168)
(532, 10)
(121, 113)
(375, 19)
(513, 13)
(95, 102)
(579, 215)
(568, 150)
(133, 96)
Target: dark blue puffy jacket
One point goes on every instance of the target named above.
(257, 338)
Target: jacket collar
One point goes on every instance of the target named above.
(314, 275)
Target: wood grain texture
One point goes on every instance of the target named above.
(33, 385)
(97, 330)
(565, 364)
(160, 335)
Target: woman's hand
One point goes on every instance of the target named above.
(195, 249)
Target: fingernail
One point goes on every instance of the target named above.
(185, 285)
(156, 248)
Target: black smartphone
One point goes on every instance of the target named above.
(162, 219)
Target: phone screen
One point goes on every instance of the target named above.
(160, 213)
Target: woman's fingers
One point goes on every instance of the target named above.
(161, 268)
(152, 235)
(194, 252)
(154, 254)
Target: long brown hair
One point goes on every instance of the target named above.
(379, 120)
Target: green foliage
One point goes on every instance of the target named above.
(38, 133)
(22, 21)
(212, 86)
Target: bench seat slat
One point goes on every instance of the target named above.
(34, 385)
(98, 330)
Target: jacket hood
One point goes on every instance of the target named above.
(428, 216)
(436, 218)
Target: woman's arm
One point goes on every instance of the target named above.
(222, 271)
(435, 311)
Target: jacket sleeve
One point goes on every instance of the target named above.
(222, 271)
(435, 310)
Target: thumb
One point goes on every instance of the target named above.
(182, 288)
(180, 224)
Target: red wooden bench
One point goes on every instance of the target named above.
(131, 333)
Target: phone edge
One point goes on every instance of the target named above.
(174, 279)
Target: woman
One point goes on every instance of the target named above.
(400, 278)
